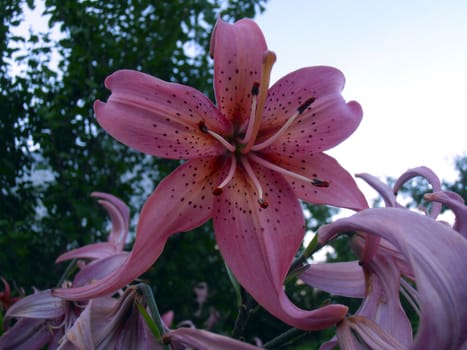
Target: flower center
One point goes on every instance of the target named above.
(244, 148)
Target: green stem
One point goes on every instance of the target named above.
(149, 297)
(288, 336)
(71, 266)
(245, 310)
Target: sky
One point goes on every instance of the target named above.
(405, 62)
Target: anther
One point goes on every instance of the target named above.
(305, 105)
(202, 126)
(217, 191)
(255, 89)
(263, 203)
(204, 129)
(320, 183)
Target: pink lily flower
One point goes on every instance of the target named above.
(436, 254)
(120, 217)
(249, 160)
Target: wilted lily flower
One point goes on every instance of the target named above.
(249, 159)
(42, 320)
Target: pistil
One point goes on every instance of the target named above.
(259, 100)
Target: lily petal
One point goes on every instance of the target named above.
(342, 191)
(181, 202)
(238, 51)
(159, 118)
(27, 334)
(328, 120)
(93, 251)
(340, 278)
(456, 203)
(258, 245)
(383, 189)
(41, 305)
(430, 176)
(437, 255)
(382, 304)
(119, 215)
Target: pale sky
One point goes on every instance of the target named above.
(404, 61)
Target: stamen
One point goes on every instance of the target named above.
(256, 114)
(262, 202)
(269, 165)
(233, 166)
(284, 127)
(204, 129)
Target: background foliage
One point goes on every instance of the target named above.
(53, 154)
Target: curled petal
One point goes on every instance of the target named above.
(120, 217)
(159, 118)
(181, 202)
(238, 51)
(430, 176)
(436, 254)
(340, 278)
(383, 189)
(259, 245)
(456, 203)
(91, 251)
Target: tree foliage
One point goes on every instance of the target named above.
(53, 152)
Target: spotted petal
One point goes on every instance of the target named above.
(342, 190)
(238, 51)
(259, 245)
(328, 121)
(159, 118)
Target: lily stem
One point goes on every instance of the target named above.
(285, 338)
(245, 310)
(67, 272)
(149, 297)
